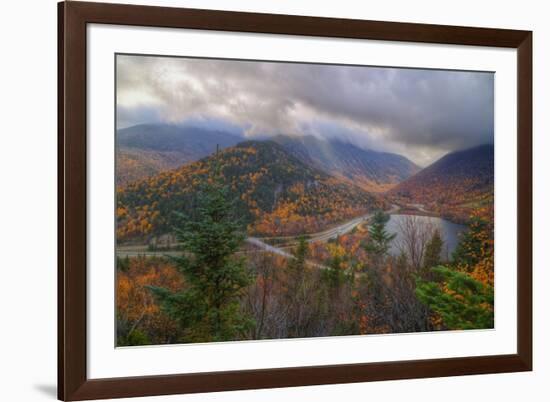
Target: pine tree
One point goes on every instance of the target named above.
(296, 265)
(461, 301)
(475, 252)
(432, 254)
(337, 280)
(377, 246)
(207, 309)
(123, 264)
(334, 275)
(379, 239)
(473, 244)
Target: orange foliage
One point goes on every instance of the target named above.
(135, 303)
(484, 270)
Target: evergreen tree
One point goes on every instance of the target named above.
(473, 243)
(377, 246)
(461, 301)
(337, 280)
(334, 275)
(208, 309)
(379, 240)
(296, 265)
(123, 264)
(432, 254)
(302, 296)
(134, 338)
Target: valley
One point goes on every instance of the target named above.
(453, 186)
(286, 187)
(262, 200)
(267, 244)
(281, 187)
(273, 192)
(306, 217)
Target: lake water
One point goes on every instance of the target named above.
(449, 231)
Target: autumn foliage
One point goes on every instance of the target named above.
(275, 193)
(139, 318)
(454, 186)
(217, 287)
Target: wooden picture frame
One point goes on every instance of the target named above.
(73, 382)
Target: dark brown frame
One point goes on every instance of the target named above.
(73, 383)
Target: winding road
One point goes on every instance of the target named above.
(324, 236)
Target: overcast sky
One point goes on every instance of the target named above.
(421, 114)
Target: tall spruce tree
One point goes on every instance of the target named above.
(379, 240)
(296, 265)
(334, 276)
(432, 254)
(207, 308)
(377, 247)
(473, 244)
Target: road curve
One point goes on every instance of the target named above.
(346, 227)
(275, 250)
(267, 247)
(318, 237)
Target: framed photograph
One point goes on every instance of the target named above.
(253, 201)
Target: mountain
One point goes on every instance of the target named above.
(147, 149)
(372, 170)
(276, 193)
(453, 185)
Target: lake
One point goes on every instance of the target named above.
(449, 231)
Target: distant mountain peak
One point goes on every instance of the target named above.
(174, 138)
(146, 149)
(454, 184)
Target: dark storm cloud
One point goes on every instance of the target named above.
(419, 113)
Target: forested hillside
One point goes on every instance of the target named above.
(454, 185)
(218, 290)
(147, 149)
(374, 171)
(270, 200)
(274, 193)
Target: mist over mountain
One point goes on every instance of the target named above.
(372, 170)
(421, 113)
(190, 140)
(147, 149)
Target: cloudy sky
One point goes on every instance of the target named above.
(421, 114)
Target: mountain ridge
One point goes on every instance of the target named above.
(373, 170)
(454, 184)
(147, 149)
(275, 193)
